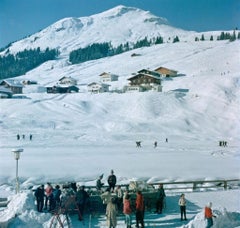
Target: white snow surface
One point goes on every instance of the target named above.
(78, 136)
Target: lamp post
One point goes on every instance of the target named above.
(17, 153)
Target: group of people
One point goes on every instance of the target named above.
(115, 200)
(23, 137)
(113, 207)
(47, 198)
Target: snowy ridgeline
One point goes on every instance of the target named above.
(21, 212)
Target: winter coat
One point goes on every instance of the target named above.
(48, 190)
(39, 194)
(111, 213)
(139, 202)
(112, 180)
(182, 201)
(127, 207)
(99, 184)
(81, 196)
(160, 194)
(106, 197)
(208, 212)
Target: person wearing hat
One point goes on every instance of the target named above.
(209, 215)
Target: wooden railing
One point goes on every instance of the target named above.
(200, 184)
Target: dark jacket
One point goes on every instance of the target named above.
(112, 180)
(39, 193)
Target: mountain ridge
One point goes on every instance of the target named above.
(118, 25)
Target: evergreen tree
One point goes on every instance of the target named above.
(202, 38)
(15, 65)
(211, 38)
(176, 39)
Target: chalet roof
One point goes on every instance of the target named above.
(149, 75)
(164, 68)
(97, 83)
(149, 72)
(11, 82)
(105, 73)
(67, 77)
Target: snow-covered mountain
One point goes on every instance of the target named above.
(118, 25)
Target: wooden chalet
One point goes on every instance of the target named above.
(95, 87)
(15, 86)
(67, 81)
(62, 89)
(108, 77)
(145, 80)
(165, 72)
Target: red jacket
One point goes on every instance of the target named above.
(139, 202)
(208, 212)
(127, 207)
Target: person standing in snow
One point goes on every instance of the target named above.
(56, 195)
(111, 213)
(81, 198)
(99, 184)
(182, 203)
(39, 195)
(209, 215)
(127, 210)
(160, 199)
(119, 193)
(139, 209)
(112, 180)
(48, 196)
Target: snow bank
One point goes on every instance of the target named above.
(223, 219)
(21, 212)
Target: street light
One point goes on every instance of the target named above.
(17, 153)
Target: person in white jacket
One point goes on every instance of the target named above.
(182, 203)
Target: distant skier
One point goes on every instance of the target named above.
(166, 140)
(18, 136)
(155, 144)
(138, 144)
(30, 137)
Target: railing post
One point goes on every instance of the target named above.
(194, 186)
(225, 185)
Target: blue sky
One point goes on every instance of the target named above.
(20, 18)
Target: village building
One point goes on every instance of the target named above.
(67, 81)
(15, 86)
(108, 77)
(145, 80)
(165, 72)
(62, 89)
(5, 92)
(95, 87)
